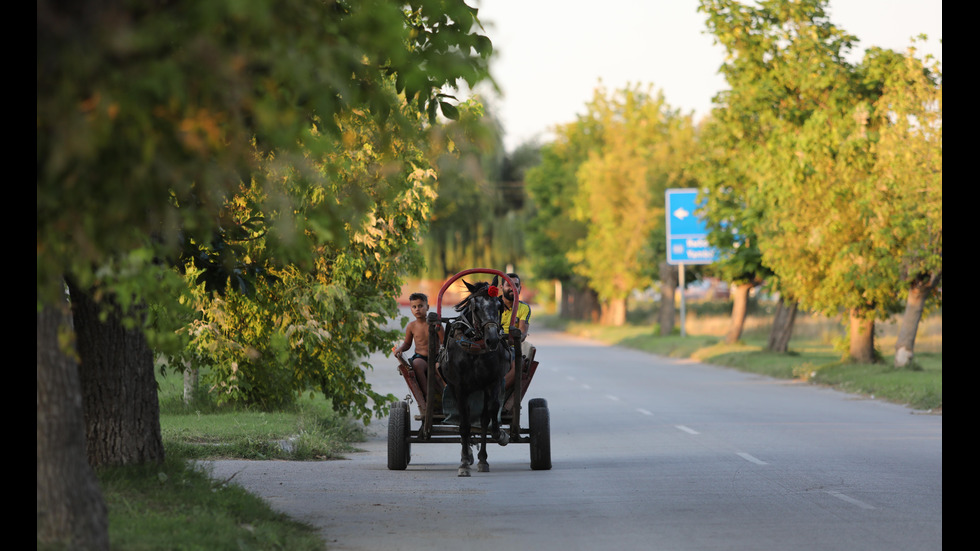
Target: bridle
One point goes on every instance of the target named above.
(471, 335)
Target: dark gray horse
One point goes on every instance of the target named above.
(478, 357)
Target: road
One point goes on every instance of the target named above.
(648, 453)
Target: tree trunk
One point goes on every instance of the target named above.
(591, 308)
(668, 287)
(190, 384)
(740, 308)
(862, 341)
(614, 312)
(918, 294)
(580, 303)
(782, 326)
(71, 513)
(119, 389)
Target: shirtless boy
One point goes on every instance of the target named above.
(418, 331)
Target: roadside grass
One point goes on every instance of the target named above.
(308, 430)
(178, 505)
(815, 351)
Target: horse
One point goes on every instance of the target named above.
(478, 357)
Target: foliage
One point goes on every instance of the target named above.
(645, 147)
(796, 144)
(731, 211)
(552, 187)
(310, 328)
(178, 96)
(598, 194)
(772, 91)
(276, 147)
(909, 165)
(477, 219)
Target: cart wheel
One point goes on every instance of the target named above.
(539, 422)
(408, 433)
(398, 442)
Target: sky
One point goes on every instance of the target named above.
(550, 55)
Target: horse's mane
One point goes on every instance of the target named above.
(481, 288)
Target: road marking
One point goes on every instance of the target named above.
(611, 397)
(751, 459)
(570, 378)
(586, 387)
(644, 412)
(686, 429)
(850, 500)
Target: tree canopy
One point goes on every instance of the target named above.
(475, 220)
(800, 144)
(243, 142)
(599, 193)
(149, 118)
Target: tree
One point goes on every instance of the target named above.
(118, 385)
(808, 116)
(552, 230)
(467, 226)
(909, 169)
(645, 146)
(311, 329)
(782, 325)
(150, 119)
(763, 99)
(70, 508)
(725, 157)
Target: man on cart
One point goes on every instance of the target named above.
(523, 318)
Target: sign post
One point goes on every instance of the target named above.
(687, 238)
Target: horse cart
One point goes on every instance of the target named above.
(441, 422)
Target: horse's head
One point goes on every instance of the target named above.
(482, 311)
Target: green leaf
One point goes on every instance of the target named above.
(449, 111)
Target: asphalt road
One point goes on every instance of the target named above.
(648, 453)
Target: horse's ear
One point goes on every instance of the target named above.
(494, 283)
(471, 288)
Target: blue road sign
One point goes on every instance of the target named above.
(687, 235)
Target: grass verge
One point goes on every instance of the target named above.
(308, 430)
(813, 357)
(178, 505)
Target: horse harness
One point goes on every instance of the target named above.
(468, 335)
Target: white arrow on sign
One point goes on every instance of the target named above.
(681, 213)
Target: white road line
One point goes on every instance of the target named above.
(586, 387)
(644, 412)
(570, 378)
(686, 429)
(850, 500)
(751, 459)
(611, 397)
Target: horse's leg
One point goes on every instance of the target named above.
(499, 435)
(466, 456)
(483, 466)
(467, 449)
